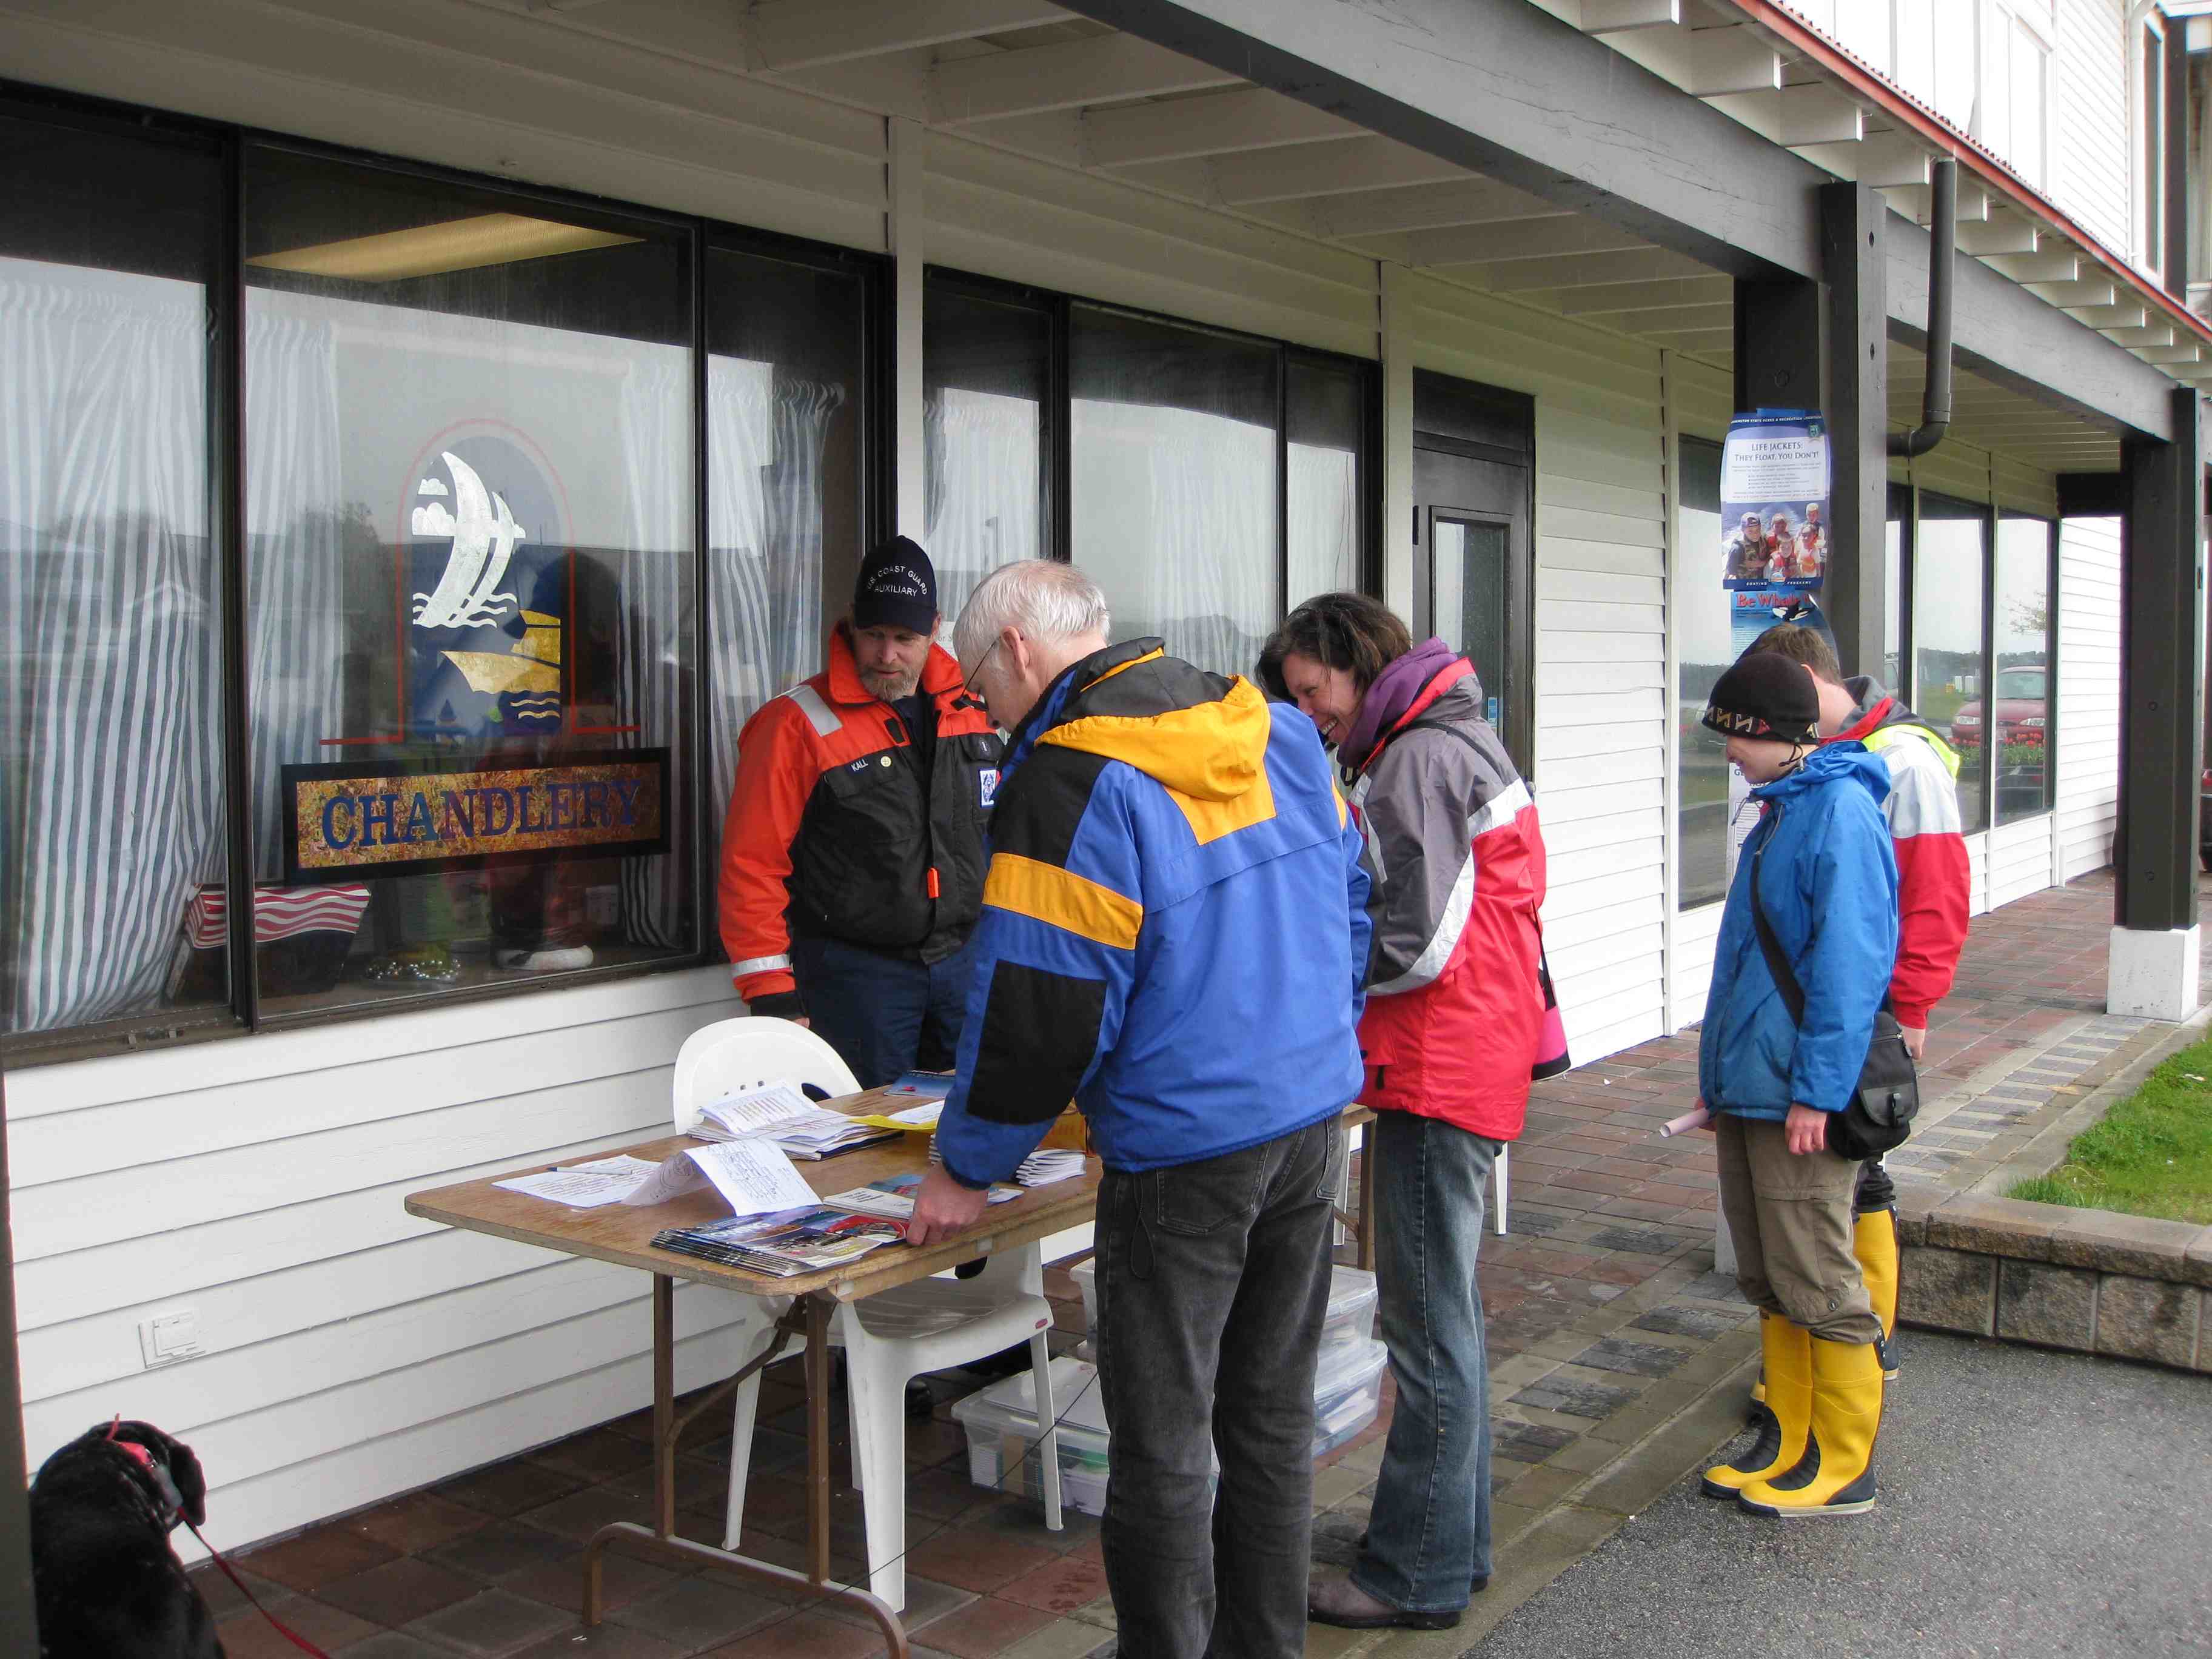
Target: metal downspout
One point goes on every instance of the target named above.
(1942, 258)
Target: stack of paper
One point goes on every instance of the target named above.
(781, 1114)
(894, 1197)
(1048, 1164)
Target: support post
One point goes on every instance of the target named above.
(904, 234)
(2153, 966)
(18, 1609)
(1395, 323)
(1851, 216)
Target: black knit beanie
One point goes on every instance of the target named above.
(897, 588)
(1765, 695)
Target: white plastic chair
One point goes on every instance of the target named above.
(889, 1338)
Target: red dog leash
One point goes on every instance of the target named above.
(173, 1504)
(282, 1629)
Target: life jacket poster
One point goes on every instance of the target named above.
(1774, 544)
(1774, 519)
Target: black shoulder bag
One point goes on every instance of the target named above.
(1881, 1111)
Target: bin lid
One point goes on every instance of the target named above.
(1077, 1400)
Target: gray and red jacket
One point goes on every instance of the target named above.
(1456, 1003)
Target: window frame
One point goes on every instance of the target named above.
(2051, 662)
(242, 1014)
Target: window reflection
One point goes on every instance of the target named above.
(2016, 718)
(1950, 672)
(1174, 512)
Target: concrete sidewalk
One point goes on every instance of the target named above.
(2031, 1502)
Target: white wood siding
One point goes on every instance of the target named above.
(2091, 142)
(2088, 757)
(352, 1351)
(1602, 696)
(2019, 860)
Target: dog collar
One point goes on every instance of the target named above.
(170, 1505)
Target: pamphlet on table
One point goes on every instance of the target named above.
(781, 1114)
(585, 1186)
(894, 1197)
(785, 1246)
(753, 1176)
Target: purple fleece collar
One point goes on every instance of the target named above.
(1390, 696)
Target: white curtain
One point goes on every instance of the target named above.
(653, 610)
(111, 802)
(765, 443)
(983, 459)
(294, 559)
(1174, 513)
(1323, 509)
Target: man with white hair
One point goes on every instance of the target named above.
(1175, 933)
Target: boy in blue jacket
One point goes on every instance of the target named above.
(1827, 881)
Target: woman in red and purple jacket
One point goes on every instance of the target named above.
(1458, 1020)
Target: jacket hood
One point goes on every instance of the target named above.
(1840, 760)
(1197, 733)
(1882, 714)
(1394, 695)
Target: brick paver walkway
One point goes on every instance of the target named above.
(1618, 1359)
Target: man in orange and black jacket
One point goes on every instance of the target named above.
(853, 855)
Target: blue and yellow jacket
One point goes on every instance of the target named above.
(1828, 883)
(1174, 927)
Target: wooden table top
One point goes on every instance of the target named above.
(623, 1233)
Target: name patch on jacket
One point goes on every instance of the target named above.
(394, 818)
(986, 786)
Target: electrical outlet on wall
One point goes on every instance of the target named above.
(167, 1337)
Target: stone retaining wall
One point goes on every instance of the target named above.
(2089, 1280)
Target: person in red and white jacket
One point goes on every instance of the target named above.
(1934, 886)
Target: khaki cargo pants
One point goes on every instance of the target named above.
(1790, 1216)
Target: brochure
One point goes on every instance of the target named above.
(894, 1197)
(754, 1176)
(785, 1246)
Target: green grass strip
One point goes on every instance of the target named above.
(2150, 1154)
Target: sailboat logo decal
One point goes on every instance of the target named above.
(483, 534)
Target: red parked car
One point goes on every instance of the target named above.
(2023, 709)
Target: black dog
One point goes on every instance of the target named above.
(109, 1586)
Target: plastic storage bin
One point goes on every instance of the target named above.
(1002, 1426)
(1350, 1318)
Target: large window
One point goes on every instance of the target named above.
(469, 571)
(1208, 480)
(112, 819)
(987, 403)
(1700, 618)
(789, 495)
(1326, 408)
(2017, 715)
(527, 528)
(1950, 614)
(1175, 467)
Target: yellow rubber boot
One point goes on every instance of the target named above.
(1836, 1476)
(1786, 1352)
(1873, 1241)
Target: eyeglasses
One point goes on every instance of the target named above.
(968, 689)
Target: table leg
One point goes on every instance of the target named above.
(1367, 1199)
(812, 1315)
(818, 1437)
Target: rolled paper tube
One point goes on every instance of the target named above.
(1687, 1122)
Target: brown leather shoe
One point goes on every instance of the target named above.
(1337, 1600)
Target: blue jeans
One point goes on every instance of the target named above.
(1429, 1532)
(882, 1014)
(1213, 1277)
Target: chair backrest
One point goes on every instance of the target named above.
(751, 1052)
